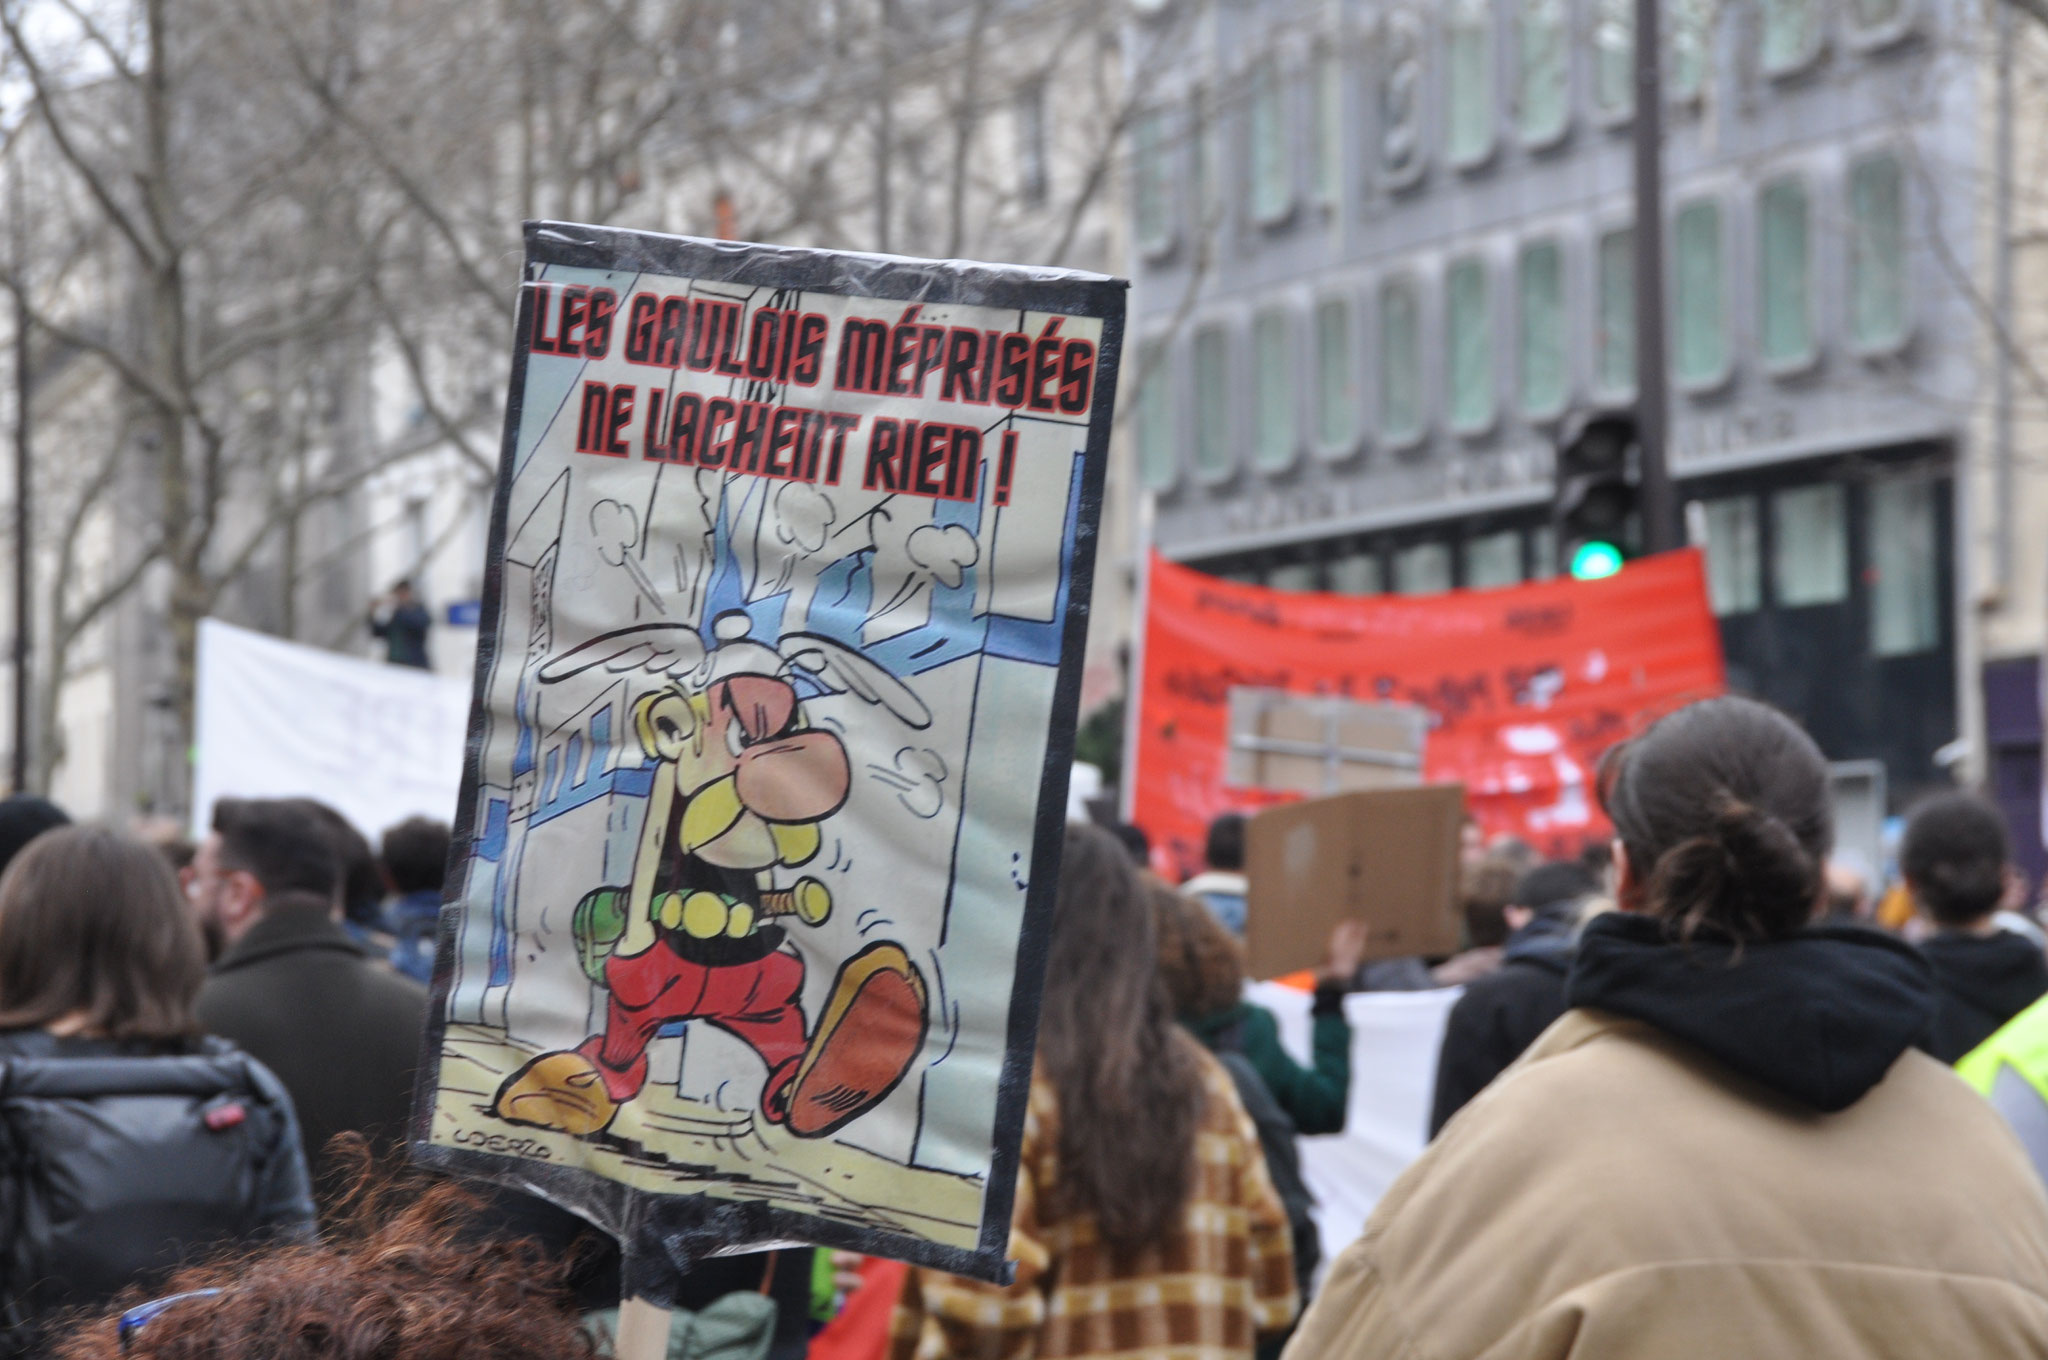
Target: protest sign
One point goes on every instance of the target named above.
(1525, 686)
(775, 702)
(278, 719)
(1387, 857)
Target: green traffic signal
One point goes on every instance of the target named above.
(1594, 560)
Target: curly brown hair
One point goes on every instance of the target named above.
(1200, 961)
(398, 1280)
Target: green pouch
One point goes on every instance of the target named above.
(735, 1326)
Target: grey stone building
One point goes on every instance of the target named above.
(1381, 250)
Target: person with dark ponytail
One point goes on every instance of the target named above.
(1955, 859)
(1729, 1145)
(1145, 1221)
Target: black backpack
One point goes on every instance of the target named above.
(116, 1168)
(1283, 1163)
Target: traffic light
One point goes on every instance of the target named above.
(1594, 504)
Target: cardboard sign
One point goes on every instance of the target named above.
(1524, 688)
(1387, 857)
(1316, 744)
(780, 654)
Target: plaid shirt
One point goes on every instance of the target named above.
(1201, 1295)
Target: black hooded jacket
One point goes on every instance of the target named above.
(1818, 1018)
(1983, 981)
(1501, 1014)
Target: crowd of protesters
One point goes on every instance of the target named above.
(1692, 1098)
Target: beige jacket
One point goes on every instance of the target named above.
(1618, 1195)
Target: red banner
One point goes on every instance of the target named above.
(1527, 685)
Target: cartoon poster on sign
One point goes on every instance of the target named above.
(790, 569)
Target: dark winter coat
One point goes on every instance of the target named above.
(405, 635)
(1314, 1097)
(1283, 1163)
(1982, 982)
(121, 1161)
(1501, 1014)
(340, 1029)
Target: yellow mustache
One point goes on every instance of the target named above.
(714, 810)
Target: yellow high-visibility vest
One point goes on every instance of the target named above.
(2011, 1070)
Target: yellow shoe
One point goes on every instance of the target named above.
(557, 1091)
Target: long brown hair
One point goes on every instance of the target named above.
(92, 923)
(1201, 963)
(1129, 1082)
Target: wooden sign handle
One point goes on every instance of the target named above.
(643, 1331)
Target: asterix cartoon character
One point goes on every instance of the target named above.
(742, 783)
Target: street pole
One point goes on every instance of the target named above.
(2002, 310)
(24, 619)
(885, 128)
(1659, 505)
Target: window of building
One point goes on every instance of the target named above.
(1273, 443)
(1158, 463)
(1468, 345)
(1208, 160)
(1810, 546)
(1329, 127)
(1214, 455)
(1614, 57)
(416, 539)
(1336, 375)
(1689, 24)
(1614, 318)
(1735, 576)
(1791, 34)
(1357, 574)
(1543, 71)
(1699, 297)
(1293, 576)
(1272, 178)
(1878, 19)
(1400, 97)
(1400, 361)
(1542, 553)
(1784, 274)
(1422, 569)
(1905, 570)
(1877, 254)
(1469, 82)
(1494, 560)
(1033, 178)
(1151, 183)
(1539, 308)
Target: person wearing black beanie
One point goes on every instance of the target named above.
(23, 817)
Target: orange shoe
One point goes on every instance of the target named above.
(869, 1034)
(557, 1091)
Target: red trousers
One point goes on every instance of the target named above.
(760, 1002)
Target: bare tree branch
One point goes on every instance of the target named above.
(60, 136)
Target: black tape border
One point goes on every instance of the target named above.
(661, 1234)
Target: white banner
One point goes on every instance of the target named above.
(276, 719)
(1394, 1041)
